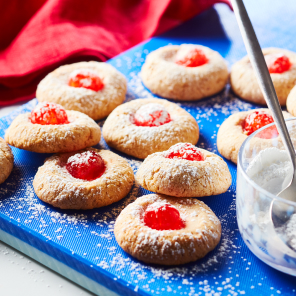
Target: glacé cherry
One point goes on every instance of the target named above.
(258, 119)
(86, 79)
(163, 216)
(49, 113)
(185, 151)
(151, 115)
(194, 58)
(87, 165)
(277, 63)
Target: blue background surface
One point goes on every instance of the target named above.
(84, 240)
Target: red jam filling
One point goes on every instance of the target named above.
(194, 58)
(277, 63)
(163, 217)
(151, 115)
(49, 113)
(87, 165)
(258, 119)
(185, 151)
(86, 79)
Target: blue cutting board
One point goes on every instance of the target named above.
(81, 245)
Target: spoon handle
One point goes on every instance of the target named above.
(262, 74)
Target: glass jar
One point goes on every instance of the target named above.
(253, 205)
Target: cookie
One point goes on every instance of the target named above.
(198, 231)
(6, 161)
(144, 126)
(82, 185)
(54, 130)
(166, 72)
(291, 102)
(98, 88)
(232, 134)
(244, 82)
(184, 171)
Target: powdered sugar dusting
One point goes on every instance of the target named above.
(89, 234)
(80, 158)
(41, 108)
(96, 228)
(271, 169)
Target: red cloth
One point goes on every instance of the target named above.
(37, 36)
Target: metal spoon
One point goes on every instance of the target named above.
(279, 211)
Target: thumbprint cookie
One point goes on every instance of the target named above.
(145, 126)
(49, 128)
(184, 171)
(187, 72)
(167, 230)
(86, 179)
(93, 88)
(281, 64)
(237, 127)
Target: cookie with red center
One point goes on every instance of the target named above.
(49, 128)
(92, 88)
(84, 179)
(186, 72)
(281, 64)
(184, 171)
(167, 230)
(145, 126)
(237, 127)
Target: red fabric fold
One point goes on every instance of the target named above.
(37, 36)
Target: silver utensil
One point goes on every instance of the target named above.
(279, 211)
